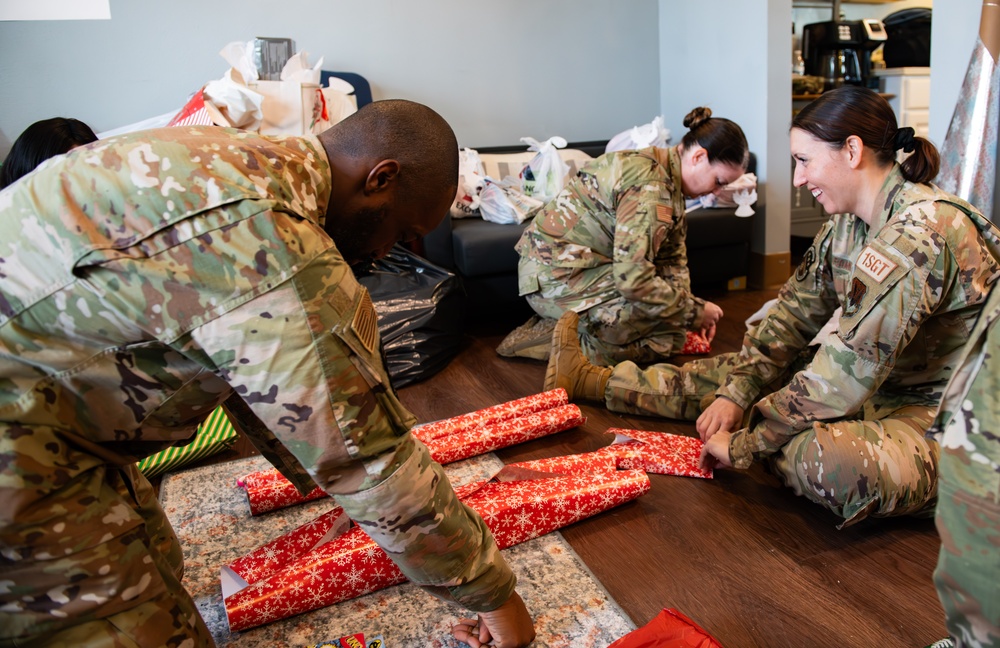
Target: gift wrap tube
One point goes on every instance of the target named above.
(493, 436)
(214, 435)
(495, 414)
(352, 564)
(268, 490)
(447, 441)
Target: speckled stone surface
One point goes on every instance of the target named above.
(212, 520)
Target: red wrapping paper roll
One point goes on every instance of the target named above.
(515, 510)
(271, 557)
(448, 440)
(493, 436)
(266, 492)
(494, 414)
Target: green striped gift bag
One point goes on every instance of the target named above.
(214, 435)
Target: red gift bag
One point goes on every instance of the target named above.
(668, 629)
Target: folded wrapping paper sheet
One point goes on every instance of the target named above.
(657, 452)
(447, 440)
(522, 502)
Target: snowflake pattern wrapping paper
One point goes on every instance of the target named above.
(657, 452)
(448, 440)
(524, 501)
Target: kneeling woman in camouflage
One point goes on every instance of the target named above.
(844, 423)
(611, 245)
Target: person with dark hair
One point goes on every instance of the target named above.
(842, 423)
(611, 247)
(156, 275)
(40, 141)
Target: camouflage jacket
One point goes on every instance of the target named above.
(616, 230)
(911, 287)
(142, 280)
(968, 420)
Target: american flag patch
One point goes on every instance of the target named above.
(664, 213)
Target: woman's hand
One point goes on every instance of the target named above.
(716, 451)
(508, 626)
(723, 415)
(711, 315)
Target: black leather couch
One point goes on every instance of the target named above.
(482, 253)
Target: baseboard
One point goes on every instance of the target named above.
(769, 271)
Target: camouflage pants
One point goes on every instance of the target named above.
(168, 619)
(880, 468)
(615, 331)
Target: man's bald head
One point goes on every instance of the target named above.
(395, 172)
(419, 138)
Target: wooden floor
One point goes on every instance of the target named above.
(747, 559)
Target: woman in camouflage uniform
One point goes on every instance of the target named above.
(611, 245)
(911, 266)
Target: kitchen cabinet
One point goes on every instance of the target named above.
(910, 88)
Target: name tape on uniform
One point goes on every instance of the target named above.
(874, 264)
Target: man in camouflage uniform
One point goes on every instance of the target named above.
(968, 510)
(842, 424)
(611, 246)
(148, 278)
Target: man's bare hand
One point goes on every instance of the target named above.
(508, 626)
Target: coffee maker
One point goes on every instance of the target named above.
(840, 51)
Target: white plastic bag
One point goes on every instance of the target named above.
(471, 178)
(505, 204)
(543, 177)
(640, 137)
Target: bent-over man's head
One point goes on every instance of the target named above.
(395, 173)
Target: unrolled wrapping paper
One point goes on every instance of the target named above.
(657, 452)
(523, 501)
(447, 440)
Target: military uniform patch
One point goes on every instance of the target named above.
(365, 322)
(664, 213)
(808, 259)
(874, 264)
(855, 296)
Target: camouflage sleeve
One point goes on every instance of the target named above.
(894, 287)
(968, 511)
(804, 305)
(305, 356)
(644, 222)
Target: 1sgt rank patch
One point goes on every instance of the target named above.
(874, 264)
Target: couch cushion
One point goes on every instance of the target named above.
(481, 247)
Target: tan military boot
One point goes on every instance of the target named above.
(569, 368)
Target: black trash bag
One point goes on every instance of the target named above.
(421, 313)
(908, 38)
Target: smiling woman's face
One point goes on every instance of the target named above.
(824, 171)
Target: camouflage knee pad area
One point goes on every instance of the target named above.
(859, 469)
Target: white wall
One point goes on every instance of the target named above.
(953, 36)
(583, 69)
(735, 57)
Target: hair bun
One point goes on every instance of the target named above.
(697, 117)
